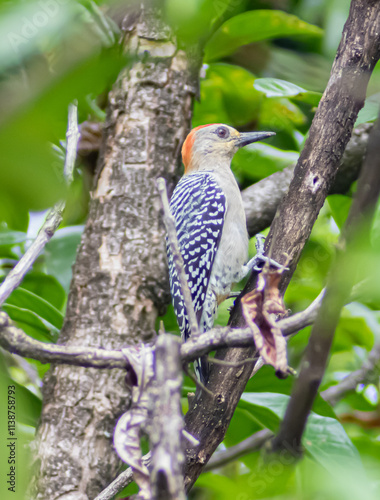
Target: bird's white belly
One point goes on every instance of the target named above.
(229, 261)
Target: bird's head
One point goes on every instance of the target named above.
(213, 146)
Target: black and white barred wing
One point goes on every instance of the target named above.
(199, 206)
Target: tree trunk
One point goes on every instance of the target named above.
(119, 283)
(209, 416)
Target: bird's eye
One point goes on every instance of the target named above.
(222, 132)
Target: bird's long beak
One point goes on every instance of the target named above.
(249, 137)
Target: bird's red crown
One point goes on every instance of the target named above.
(188, 145)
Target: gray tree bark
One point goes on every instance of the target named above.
(119, 283)
(262, 199)
(209, 416)
(339, 284)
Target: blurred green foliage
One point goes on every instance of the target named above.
(266, 65)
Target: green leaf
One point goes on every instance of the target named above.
(241, 101)
(255, 26)
(367, 446)
(14, 214)
(47, 287)
(327, 442)
(325, 438)
(6, 252)
(340, 206)
(227, 96)
(223, 313)
(169, 320)
(210, 108)
(261, 406)
(21, 30)
(243, 424)
(30, 323)
(37, 183)
(28, 405)
(309, 70)
(272, 481)
(274, 87)
(193, 19)
(357, 401)
(60, 253)
(260, 160)
(27, 300)
(370, 110)
(223, 487)
(280, 113)
(9, 237)
(266, 381)
(352, 331)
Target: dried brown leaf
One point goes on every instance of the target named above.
(261, 309)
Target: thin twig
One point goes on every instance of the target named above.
(295, 218)
(197, 382)
(177, 257)
(53, 218)
(122, 480)
(289, 326)
(72, 139)
(249, 445)
(14, 340)
(118, 484)
(367, 373)
(253, 443)
(339, 284)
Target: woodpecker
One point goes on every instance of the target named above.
(211, 225)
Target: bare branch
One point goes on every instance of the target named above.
(294, 323)
(249, 445)
(72, 139)
(122, 480)
(367, 373)
(329, 134)
(315, 171)
(54, 217)
(262, 199)
(165, 435)
(339, 285)
(16, 341)
(177, 257)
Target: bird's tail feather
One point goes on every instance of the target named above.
(202, 369)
